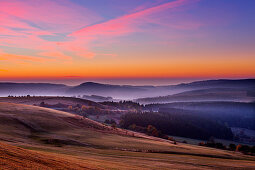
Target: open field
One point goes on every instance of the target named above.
(71, 138)
(17, 158)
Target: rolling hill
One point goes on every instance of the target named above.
(221, 83)
(18, 89)
(202, 95)
(92, 144)
(51, 100)
(106, 90)
(123, 92)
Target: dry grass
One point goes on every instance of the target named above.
(12, 157)
(52, 100)
(66, 138)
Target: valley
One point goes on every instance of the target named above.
(195, 128)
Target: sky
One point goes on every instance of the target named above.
(146, 41)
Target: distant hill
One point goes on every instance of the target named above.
(32, 89)
(210, 94)
(221, 83)
(123, 92)
(97, 98)
(117, 91)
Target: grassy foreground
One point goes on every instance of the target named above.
(49, 139)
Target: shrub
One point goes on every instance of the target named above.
(232, 147)
(70, 107)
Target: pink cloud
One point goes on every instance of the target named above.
(128, 23)
(12, 22)
(8, 32)
(61, 16)
(58, 15)
(110, 55)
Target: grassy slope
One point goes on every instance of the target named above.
(12, 157)
(50, 100)
(71, 137)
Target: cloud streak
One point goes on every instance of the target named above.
(24, 24)
(128, 23)
(3, 70)
(21, 58)
(44, 26)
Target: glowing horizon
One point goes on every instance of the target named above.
(75, 39)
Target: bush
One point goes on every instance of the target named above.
(232, 147)
(245, 149)
(220, 146)
(107, 121)
(114, 125)
(253, 150)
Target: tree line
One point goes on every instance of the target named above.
(177, 125)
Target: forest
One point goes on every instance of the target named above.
(177, 124)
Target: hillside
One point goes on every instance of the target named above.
(97, 88)
(51, 100)
(230, 114)
(221, 83)
(54, 132)
(211, 94)
(17, 158)
(177, 123)
(20, 122)
(31, 88)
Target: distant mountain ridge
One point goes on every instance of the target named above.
(205, 94)
(8, 88)
(126, 92)
(219, 83)
(99, 87)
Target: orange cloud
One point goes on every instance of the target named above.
(56, 55)
(20, 58)
(3, 70)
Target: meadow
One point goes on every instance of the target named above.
(60, 136)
